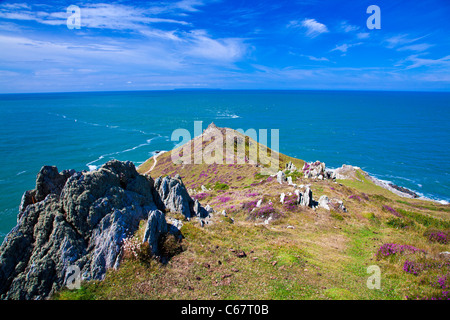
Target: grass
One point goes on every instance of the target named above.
(302, 254)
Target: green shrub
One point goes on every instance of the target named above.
(425, 220)
(169, 245)
(221, 186)
(399, 223)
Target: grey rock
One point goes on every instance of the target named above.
(314, 170)
(209, 209)
(282, 196)
(324, 202)
(290, 166)
(307, 198)
(281, 177)
(156, 226)
(72, 219)
(174, 195)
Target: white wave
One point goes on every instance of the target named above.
(226, 115)
(103, 125)
(92, 167)
(148, 142)
(21, 172)
(443, 202)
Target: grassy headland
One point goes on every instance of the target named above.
(302, 253)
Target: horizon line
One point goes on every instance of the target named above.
(224, 90)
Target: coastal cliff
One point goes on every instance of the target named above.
(205, 230)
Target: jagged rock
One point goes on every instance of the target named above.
(282, 196)
(258, 204)
(209, 209)
(281, 177)
(156, 226)
(224, 213)
(290, 166)
(314, 170)
(74, 219)
(307, 198)
(199, 211)
(174, 195)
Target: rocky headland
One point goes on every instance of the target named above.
(235, 222)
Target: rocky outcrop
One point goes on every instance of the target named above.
(324, 202)
(345, 172)
(290, 167)
(175, 197)
(80, 219)
(156, 226)
(314, 170)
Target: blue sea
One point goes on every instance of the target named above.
(403, 137)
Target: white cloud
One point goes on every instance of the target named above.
(400, 40)
(416, 47)
(313, 28)
(346, 27)
(416, 61)
(362, 35)
(344, 47)
(203, 46)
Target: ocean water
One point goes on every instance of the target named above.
(403, 137)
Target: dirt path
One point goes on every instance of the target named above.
(155, 161)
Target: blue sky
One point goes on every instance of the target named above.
(158, 45)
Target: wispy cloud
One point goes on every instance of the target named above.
(415, 61)
(416, 47)
(346, 27)
(311, 26)
(401, 40)
(344, 47)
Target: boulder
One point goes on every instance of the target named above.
(156, 226)
(174, 195)
(324, 202)
(282, 196)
